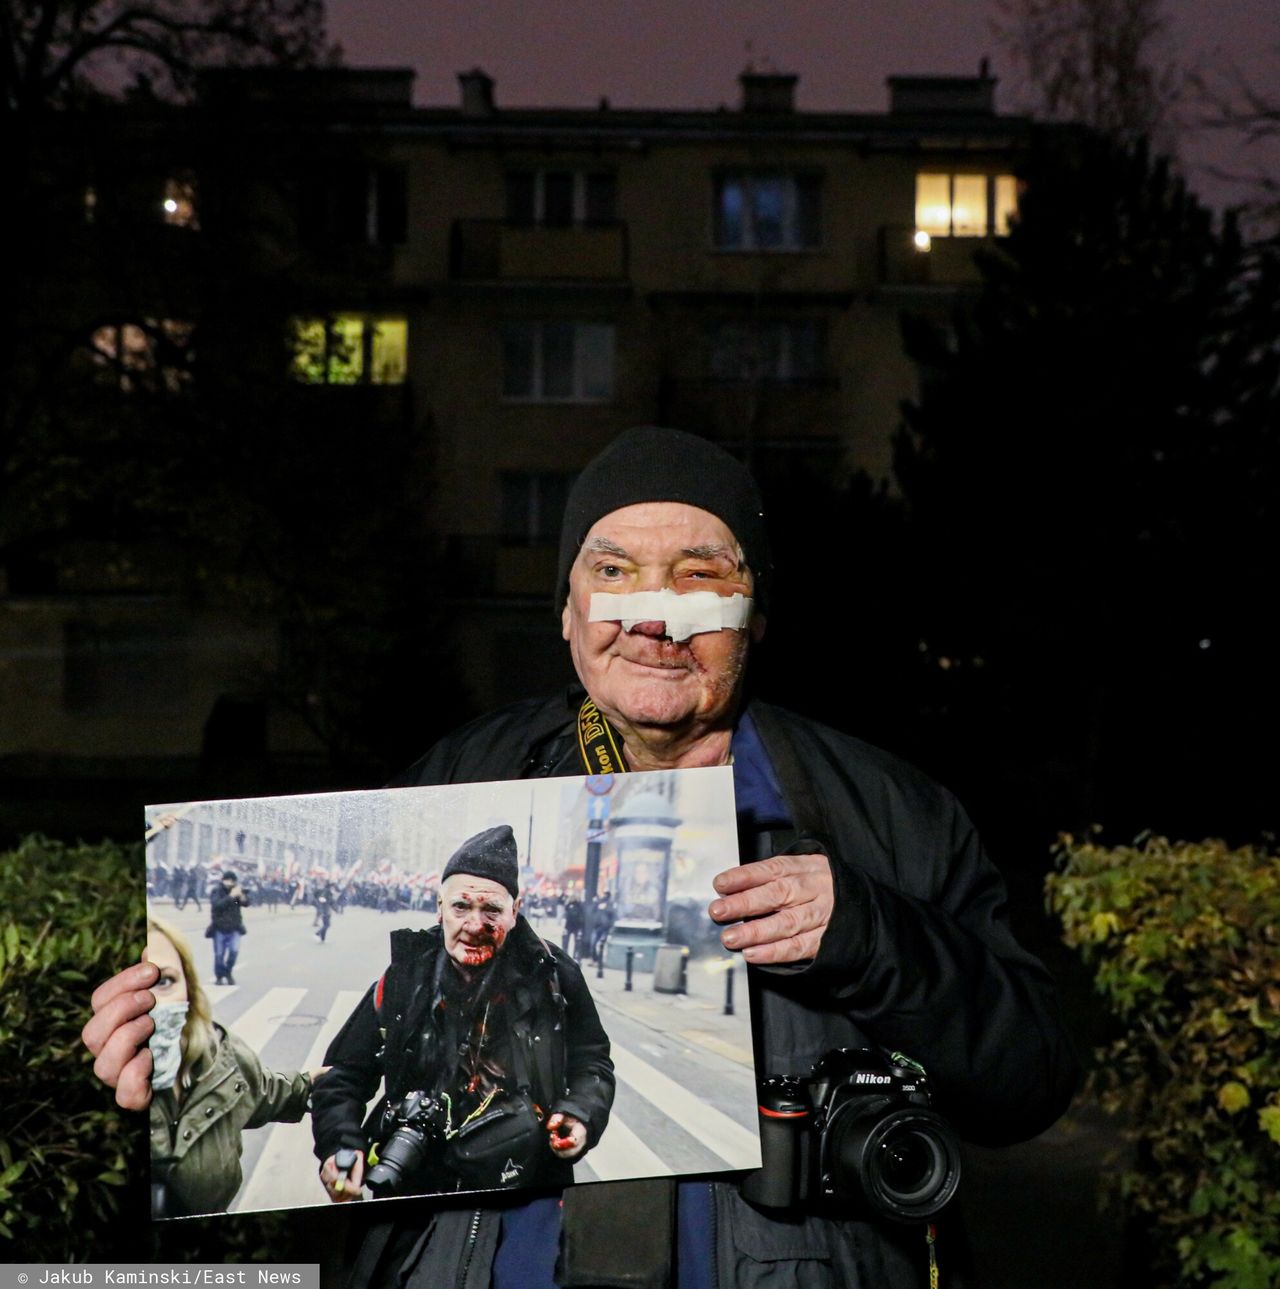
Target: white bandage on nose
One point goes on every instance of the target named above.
(682, 615)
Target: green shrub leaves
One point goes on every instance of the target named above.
(1184, 941)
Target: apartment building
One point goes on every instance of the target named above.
(515, 285)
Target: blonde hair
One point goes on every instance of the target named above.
(199, 1038)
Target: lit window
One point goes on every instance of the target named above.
(769, 352)
(179, 204)
(965, 205)
(350, 349)
(561, 198)
(1006, 203)
(150, 353)
(558, 361)
(767, 211)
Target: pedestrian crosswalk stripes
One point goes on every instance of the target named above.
(287, 1158)
(258, 1024)
(344, 1004)
(619, 1153)
(735, 1145)
(281, 1169)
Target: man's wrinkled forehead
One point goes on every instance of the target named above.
(600, 544)
(476, 890)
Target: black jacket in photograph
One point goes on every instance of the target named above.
(554, 1043)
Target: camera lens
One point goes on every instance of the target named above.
(401, 1155)
(905, 1163)
(909, 1164)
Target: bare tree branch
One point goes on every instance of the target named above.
(1098, 62)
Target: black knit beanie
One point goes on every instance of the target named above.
(490, 854)
(650, 463)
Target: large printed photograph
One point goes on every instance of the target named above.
(444, 989)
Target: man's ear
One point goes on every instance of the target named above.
(756, 627)
(515, 906)
(564, 621)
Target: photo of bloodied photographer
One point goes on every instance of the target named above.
(367, 995)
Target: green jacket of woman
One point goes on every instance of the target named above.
(195, 1144)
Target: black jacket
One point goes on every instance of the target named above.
(559, 1050)
(224, 910)
(918, 957)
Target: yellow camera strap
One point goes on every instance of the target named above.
(597, 742)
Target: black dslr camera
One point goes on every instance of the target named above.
(497, 1145)
(857, 1131)
(411, 1130)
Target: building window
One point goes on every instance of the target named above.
(768, 211)
(561, 198)
(774, 352)
(151, 354)
(570, 362)
(965, 205)
(178, 206)
(354, 205)
(533, 505)
(350, 349)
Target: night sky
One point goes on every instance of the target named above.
(688, 53)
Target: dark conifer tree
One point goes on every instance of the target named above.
(1067, 469)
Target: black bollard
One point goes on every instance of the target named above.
(684, 972)
(600, 963)
(728, 992)
(631, 958)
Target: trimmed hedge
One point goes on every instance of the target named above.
(1184, 942)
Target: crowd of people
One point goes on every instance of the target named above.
(565, 908)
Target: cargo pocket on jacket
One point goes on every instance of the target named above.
(782, 1251)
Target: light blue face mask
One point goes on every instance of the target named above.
(166, 1044)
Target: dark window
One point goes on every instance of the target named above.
(557, 199)
(533, 506)
(601, 205)
(391, 223)
(557, 359)
(355, 205)
(768, 352)
(562, 361)
(560, 198)
(520, 197)
(767, 211)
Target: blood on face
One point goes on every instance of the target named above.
(476, 916)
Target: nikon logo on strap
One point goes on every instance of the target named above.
(597, 742)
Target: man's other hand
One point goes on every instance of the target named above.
(118, 1031)
(342, 1190)
(568, 1135)
(788, 899)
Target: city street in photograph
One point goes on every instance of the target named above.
(614, 873)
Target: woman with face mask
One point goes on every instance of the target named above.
(207, 1087)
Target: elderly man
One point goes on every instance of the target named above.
(488, 1042)
(863, 899)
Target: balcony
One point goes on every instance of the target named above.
(938, 262)
(489, 250)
